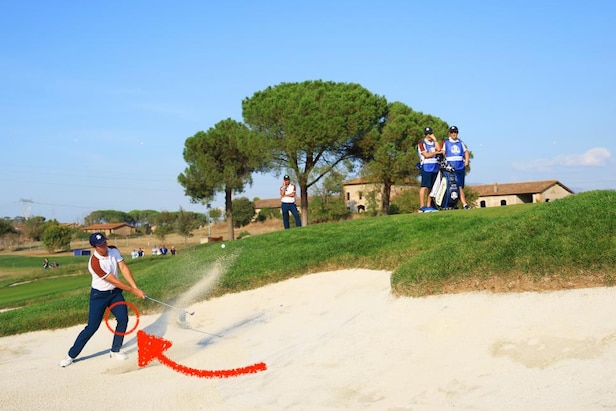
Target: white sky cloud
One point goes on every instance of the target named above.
(595, 157)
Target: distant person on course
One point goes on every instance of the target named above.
(428, 149)
(287, 198)
(457, 156)
(106, 291)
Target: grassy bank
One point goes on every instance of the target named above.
(566, 243)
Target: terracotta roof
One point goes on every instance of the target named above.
(532, 187)
(267, 203)
(357, 181)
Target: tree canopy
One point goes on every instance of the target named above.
(313, 123)
(6, 228)
(187, 222)
(57, 237)
(109, 216)
(165, 224)
(390, 153)
(244, 210)
(222, 160)
(34, 227)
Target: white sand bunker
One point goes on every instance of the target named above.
(339, 340)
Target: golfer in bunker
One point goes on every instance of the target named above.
(106, 291)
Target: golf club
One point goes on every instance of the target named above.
(170, 306)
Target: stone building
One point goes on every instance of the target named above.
(490, 195)
(495, 195)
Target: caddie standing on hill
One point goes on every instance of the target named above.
(287, 198)
(428, 149)
(106, 291)
(457, 156)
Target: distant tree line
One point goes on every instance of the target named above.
(57, 237)
(142, 220)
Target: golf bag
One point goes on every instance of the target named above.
(445, 192)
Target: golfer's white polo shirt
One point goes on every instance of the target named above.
(102, 266)
(289, 190)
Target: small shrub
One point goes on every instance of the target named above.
(243, 234)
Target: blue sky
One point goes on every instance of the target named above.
(97, 98)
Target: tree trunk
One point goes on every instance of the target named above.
(304, 205)
(229, 213)
(385, 198)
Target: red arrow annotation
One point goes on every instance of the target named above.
(151, 347)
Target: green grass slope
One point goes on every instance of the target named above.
(570, 242)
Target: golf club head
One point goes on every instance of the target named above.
(181, 320)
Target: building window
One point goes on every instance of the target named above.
(482, 204)
(503, 202)
(348, 196)
(360, 195)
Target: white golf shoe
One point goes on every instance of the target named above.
(66, 361)
(120, 356)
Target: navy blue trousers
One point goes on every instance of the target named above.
(99, 302)
(290, 208)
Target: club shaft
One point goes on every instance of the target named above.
(167, 305)
(204, 332)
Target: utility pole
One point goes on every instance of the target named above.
(26, 206)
